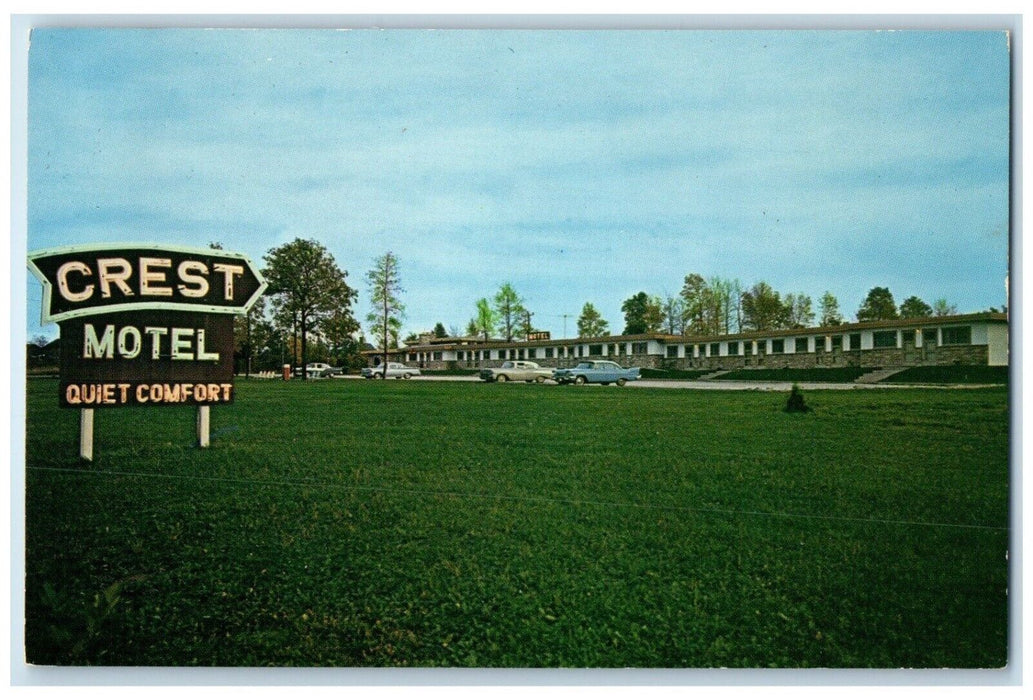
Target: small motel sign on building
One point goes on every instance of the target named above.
(145, 325)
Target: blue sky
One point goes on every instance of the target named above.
(580, 166)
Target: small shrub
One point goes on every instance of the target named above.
(795, 402)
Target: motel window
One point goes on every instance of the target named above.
(929, 337)
(461, 355)
(437, 356)
(855, 341)
(908, 337)
(960, 335)
(715, 349)
(639, 348)
(734, 348)
(595, 350)
(801, 345)
(837, 342)
(884, 339)
(412, 357)
(549, 352)
(778, 346)
(672, 351)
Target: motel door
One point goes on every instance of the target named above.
(911, 351)
(929, 345)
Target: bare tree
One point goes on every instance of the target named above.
(388, 310)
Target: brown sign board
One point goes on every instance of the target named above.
(147, 358)
(80, 281)
(145, 325)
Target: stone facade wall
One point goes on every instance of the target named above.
(874, 358)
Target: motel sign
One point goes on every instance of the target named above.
(145, 325)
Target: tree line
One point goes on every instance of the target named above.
(718, 306)
(306, 314)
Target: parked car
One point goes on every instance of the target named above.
(395, 370)
(319, 369)
(516, 371)
(596, 372)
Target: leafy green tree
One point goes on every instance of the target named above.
(694, 293)
(439, 330)
(942, 308)
(877, 306)
(385, 291)
(654, 317)
(509, 307)
(590, 323)
(306, 286)
(913, 307)
(339, 330)
(718, 305)
(828, 310)
(251, 332)
(799, 311)
(642, 314)
(711, 306)
(763, 308)
(484, 322)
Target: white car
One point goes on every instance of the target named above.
(516, 371)
(319, 369)
(395, 370)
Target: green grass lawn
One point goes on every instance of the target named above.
(349, 523)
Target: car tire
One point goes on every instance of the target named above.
(406, 376)
(580, 380)
(622, 381)
(502, 378)
(539, 380)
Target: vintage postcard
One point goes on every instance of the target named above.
(670, 349)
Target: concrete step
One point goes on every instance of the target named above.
(713, 375)
(876, 376)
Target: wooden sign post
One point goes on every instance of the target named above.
(86, 434)
(203, 424)
(145, 326)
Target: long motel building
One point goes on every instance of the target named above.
(968, 339)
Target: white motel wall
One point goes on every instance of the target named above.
(970, 339)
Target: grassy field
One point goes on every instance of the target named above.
(349, 523)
